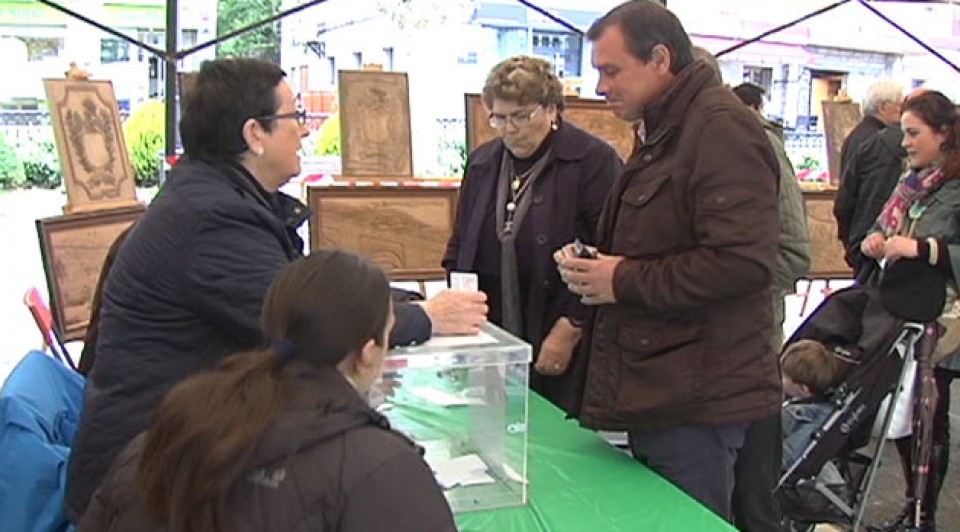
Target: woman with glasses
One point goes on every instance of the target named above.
(188, 282)
(539, 185)
(281, 437)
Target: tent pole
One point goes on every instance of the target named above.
(170, 91)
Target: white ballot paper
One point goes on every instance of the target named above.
(460, 340)
(466, 470)
(442, 398)
(464, 281)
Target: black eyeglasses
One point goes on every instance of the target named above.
(299, 115)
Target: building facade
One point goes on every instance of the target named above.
(42, 42)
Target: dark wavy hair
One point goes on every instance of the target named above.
(227, 93)
(644, 25)
(320, 309)
(940, 114)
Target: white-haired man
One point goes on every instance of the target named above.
(881, 107)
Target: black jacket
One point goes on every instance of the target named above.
(861, 132)
(184, 291)
(871, 176)
(328, 463)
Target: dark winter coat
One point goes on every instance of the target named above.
(184, 291)
(865, 129)
(695, 216)
(871, 176)
(330, 463)
(567, 199)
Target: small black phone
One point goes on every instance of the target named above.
(583, 251)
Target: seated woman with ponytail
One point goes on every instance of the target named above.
(282, 438)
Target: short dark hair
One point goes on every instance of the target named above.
(226, 94)
(750, 94)
(644, 25)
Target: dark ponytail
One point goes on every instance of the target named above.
(318, 310)
(201, 437)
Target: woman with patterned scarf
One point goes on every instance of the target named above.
(921, 220)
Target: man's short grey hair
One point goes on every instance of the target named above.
(699, 52)
(885, 90)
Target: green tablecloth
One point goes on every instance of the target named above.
(578, 482)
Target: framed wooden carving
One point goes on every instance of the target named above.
(93, 154)
(593, 116)
(839, 118)
(403, 228)
(825, 248)
(73, 248)
(375, 124)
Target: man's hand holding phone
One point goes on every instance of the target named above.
(584, 251)
(587, 273)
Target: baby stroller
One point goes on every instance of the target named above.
(852, 317)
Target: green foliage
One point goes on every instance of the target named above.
(809, 163)
(329, 143)
(11, 169)
(262, 43)
(452, 158)
(41, 162)
(144, 134)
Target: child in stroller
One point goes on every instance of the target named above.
(826, 477)
(811, 373)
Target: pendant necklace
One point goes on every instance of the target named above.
(518, 185)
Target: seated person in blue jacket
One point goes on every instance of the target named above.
(810, 370)
(187, 284)
(282, 438)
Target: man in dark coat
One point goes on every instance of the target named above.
(881, 106)
(871, 176)
(678, 344)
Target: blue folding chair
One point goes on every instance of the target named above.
(40, 406)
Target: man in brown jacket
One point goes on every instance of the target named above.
(678, 344)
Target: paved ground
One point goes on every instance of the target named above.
(22, 268)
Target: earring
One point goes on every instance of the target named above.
(258, 152)
(554, 126)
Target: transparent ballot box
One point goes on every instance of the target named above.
(464, 400)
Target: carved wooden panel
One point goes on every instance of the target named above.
(826, 250)
(839, 118)
(593, 116)
(93, 154)
(375, 124)
(73, 248)
(403, 228)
